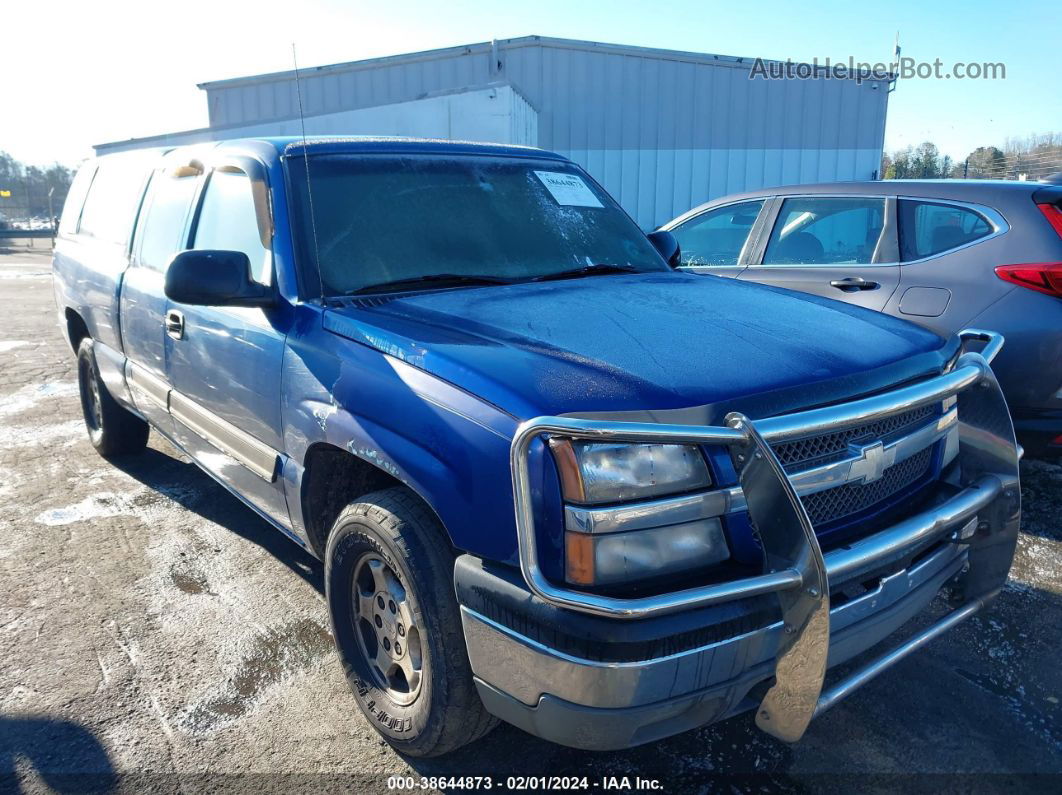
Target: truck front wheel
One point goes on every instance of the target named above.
(389, 585)
(112, 429)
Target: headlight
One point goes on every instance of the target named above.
(597, 472)
(593, 473)
(609, 558)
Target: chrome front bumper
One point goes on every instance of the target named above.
(603, 705)
(968, 540)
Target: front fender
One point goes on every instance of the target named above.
(448, 446)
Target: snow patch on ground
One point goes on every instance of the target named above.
(10, 345)
(1040, 562)
(31, 394)
(152, 506)
(96, 506)
(65, 434)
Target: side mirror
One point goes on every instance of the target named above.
(668, 246)
(214, 278)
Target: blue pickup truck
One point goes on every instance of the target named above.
(552, 479)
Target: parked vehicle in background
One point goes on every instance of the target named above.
(553, 480)
(946, 254)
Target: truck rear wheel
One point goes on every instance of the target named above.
(389, 586)
(112, 429)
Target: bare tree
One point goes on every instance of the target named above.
(1032, 157)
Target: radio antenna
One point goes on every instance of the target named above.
(309, 189)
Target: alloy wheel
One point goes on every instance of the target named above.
(388, 635)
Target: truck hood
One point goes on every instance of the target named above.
(644, 342)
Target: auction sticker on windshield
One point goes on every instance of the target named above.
(568, 190)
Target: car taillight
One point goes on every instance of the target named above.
(1053, 216)
(1044, 277)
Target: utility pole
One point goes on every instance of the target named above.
(966, 167)
(895, 63)
(25, 188)
(51, 213)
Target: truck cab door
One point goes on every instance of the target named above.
(161, 231)
(226, 361)
(839, 247)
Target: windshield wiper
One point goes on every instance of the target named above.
(473, 280)
(587, 270)
(432, 279)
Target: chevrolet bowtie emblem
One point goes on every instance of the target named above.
(871, 464)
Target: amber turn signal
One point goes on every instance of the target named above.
(579, 558)
(571, 476)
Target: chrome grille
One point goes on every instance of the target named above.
(818, 450)
(837, 503)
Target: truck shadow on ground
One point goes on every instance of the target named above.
(66, 756)
(191, 488)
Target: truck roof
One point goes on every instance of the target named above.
(295, 145)
(270, 147)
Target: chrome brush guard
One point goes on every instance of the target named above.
(983, 515)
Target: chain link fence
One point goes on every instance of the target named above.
(28, 212)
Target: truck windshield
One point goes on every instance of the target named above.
(383, 222)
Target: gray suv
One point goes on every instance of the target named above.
(947, 254)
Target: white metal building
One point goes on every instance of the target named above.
(661, 130)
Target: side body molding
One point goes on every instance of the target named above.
(250, 452)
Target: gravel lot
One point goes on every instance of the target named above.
(155, 632)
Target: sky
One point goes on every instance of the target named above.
(79, 73)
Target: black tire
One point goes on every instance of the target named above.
(395, 528)
(112, 429)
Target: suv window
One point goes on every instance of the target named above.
(716, 237)
(227, 221)
(928, 228)
(112, 201)
(162, 231)
(826, 231)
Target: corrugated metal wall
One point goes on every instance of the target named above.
(662, 131)
(495, 113)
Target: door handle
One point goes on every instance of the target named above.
(853, 284)
(175, 324)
